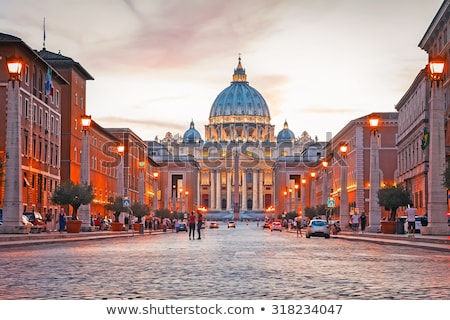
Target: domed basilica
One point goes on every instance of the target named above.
(241, 169)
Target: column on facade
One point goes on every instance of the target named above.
(212, 191)
(255, 189)
(198, 194)
(218, 190)
(261, 190)
(244, 190)
(228, 190)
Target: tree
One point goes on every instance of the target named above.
(446, 176)
(162, 213)
(74, 195)
(140, 210)
(115, 204)
(392, 197)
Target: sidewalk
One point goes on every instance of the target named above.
(441, 243)
(23, 240)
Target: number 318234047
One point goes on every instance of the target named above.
(306, 309)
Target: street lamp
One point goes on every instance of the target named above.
(120, 182)
(374, 179)
(186, 197)
(155, 190)
(141, 181)
(325, 181)
(85, 210)
(12, 201)
(437, 193)
(343, 207)
(313, 175)
(290, 200)
(285, 201)
(296, 198)
(180, 194)
(303, 194)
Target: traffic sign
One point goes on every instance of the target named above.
(126, 203)
(331, 203)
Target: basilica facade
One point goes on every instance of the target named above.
(241, 168)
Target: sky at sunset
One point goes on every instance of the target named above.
(159, 64)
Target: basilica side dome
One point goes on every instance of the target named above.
(239, 112)
(286, 135)
(192, 135)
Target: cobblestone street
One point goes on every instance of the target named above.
(242, 263)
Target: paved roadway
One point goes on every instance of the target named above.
(242, 263)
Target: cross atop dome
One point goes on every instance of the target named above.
(239, 73)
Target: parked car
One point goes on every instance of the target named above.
(181, 227)
(35, 218)
(214, 225)
(231, 224)
(276, 225)
(318, 228)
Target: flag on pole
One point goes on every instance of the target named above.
(425, 139)
(48, 82)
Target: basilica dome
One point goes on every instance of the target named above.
(239, 99)
(192, 135)
(285, 135)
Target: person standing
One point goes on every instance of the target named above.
(48, 222)
(299, 227)
(199, 225)
(355, 221)
(62, 220)
(191, 221)
(411, 218)
(363, 219)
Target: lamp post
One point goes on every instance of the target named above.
(186, 198)
(374, 179)
(313, 188)
(285, 201)
(85, 210)
(303, 195)
(325, 181)
(296, 199)
(120, 182)
(290, 200)
(343, 207)
(437, 193)
(12, 202)
(155, 191)
(141, 181)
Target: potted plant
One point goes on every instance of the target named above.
(115, 204)
(139, 210)
(391, 198)
(74, 195)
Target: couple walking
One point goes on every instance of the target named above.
(195, 221)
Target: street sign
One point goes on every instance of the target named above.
(126, 203)
(331, 203)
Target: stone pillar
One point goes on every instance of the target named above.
(219, 190)
(212, 191)
(374, 207)
(261, 191)
(85, 210)
(244, 190)
(12, 204)
(255, 189)
(228, 190)
(437, 193)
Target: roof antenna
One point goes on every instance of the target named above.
(43, 43)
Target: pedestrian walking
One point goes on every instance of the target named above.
(411, 218)
(363, 220)
(191, 221)
(48, 222)
(355, 221)
(199, 225)
(298, 225)
(62, 220)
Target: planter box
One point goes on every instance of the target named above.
(74, 226)
(388, 227)
(116, 226)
